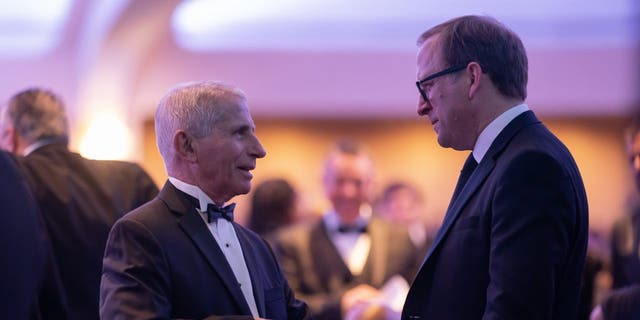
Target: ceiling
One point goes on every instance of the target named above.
(207, 25)
(312, 58)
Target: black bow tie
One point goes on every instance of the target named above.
(214, 212)
(352, 229)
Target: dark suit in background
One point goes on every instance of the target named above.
(79, 199)
(319, 275)
(162, 262)
(622, 304)
(625, 250)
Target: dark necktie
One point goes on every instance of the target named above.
(466, 172)
(352, 229)
(214, 212)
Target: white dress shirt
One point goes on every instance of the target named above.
(226, 238)
(486, 137)
(352, 246)
(39, 144)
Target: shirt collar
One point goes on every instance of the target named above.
(39, 144)
(194, 191)
(486, 137)
(333, 222)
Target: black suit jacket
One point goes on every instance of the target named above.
(625, 246)
(513, 243)
(318, 274)
(80, 199)
(23, 250)
(162, 262)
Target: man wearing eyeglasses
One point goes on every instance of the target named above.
(513, 241)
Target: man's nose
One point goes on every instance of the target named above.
(258, 150)
(349, 189)
(423, 107)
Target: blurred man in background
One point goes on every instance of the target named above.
(79, 199)
(625, 236)
(339, 263)
(624, 301)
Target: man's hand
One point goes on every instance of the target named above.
(359, 296)
(372, 311)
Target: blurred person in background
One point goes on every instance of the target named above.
(402, 203)
(273, 206)
(339, 263)
(620, 304)
(625, 235)
(79, 199)
(623, 302)
(596, 276)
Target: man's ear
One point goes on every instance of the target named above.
(475, 78)
(184, 146)
(8, 139)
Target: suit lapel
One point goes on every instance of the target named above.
(480, 174)
(378, 252)
(254, 271)
(195, 228)
(328, 265)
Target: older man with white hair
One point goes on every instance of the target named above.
(181, 255)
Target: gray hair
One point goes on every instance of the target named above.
(194, 107)
(37, 114)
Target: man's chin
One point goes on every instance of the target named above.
(245, 188)
(348, 211)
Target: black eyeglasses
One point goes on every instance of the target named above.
(446, 71)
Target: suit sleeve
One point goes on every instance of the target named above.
(296, 309)
(323, 305)
(534, 215)
(135, 283)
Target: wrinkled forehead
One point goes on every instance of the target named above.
(235, 111)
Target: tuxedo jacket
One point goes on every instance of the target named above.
(162, 262)
(79, 200)
(318, 274)
(513, 242)
(23, 250)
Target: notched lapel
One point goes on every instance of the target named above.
(329, 267)
(378, 253)
(477, 178)
(480, 174)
